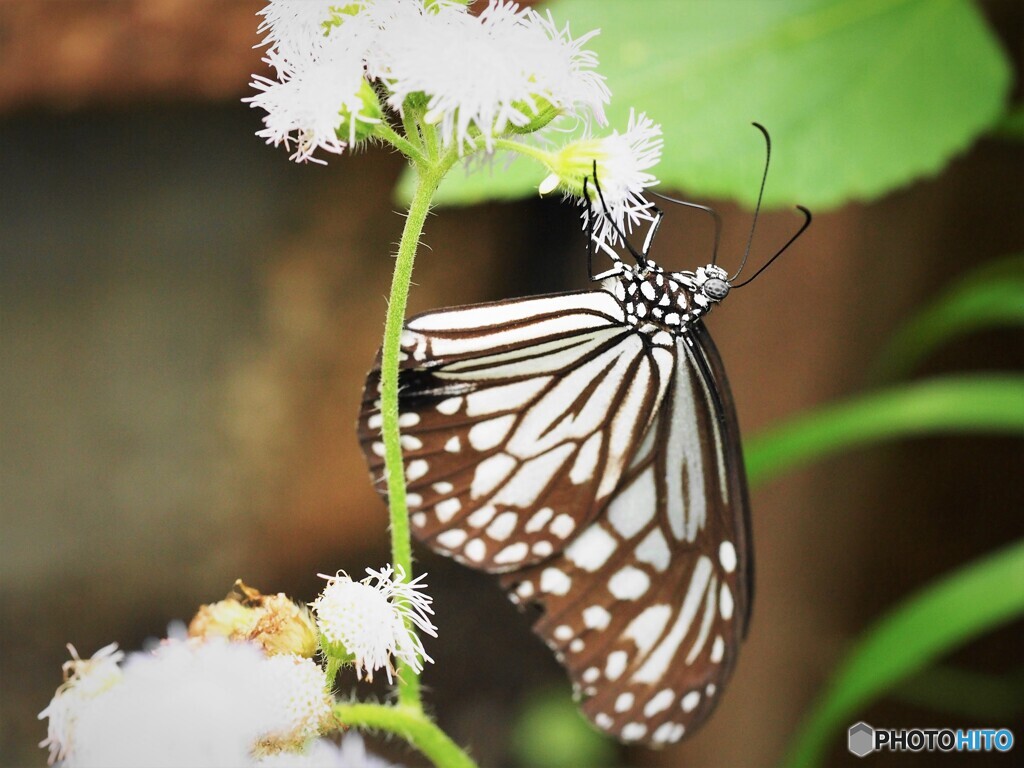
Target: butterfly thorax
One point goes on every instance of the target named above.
(655, 300)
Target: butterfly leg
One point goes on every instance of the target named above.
(637, 256)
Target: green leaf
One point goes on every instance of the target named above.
(1012, 124)
(973, 695)
(940, 618)
(992, 296)
(860, 96)
(953, 404)
(551, 733)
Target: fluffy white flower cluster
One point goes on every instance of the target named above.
(210, 701)
(205, 703)
(479, 76)
(475, 83)
(369, 620)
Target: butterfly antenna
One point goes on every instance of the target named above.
(806, 224)
(760, 194)
(637, 256)
(710, 211)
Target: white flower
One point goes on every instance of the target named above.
(622, 161)
(484, 74)
(369, 619)
(295, 687)
(84, 680)
(297, 29)
(316, 99)
(325, 754)
(186, 703)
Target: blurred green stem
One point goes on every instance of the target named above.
(938, 619)
(953, 404)
(409, 724)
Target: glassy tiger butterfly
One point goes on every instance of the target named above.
(585, 446)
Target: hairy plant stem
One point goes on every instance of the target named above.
(428, 176)
(411, 725)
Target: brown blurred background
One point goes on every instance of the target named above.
(186, 317)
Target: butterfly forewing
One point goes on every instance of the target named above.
(518, 419)
(646, 608)
(593, 457)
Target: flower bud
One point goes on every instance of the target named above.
(274, 622)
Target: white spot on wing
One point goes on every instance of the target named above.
(586, 460)
(476, 550)
(554, 581)
(727, 556)
(717, 650)
(447, 509)
(507, 397)
(624, 701)
(533, 476)
(543, 548)
(503, 526)
(416, 469)
(453, 445)
(592, 548)
(452, 539)
(488, 434)
(596, 617)
(646, 628)
(725, 602)
(450, 406)
(658, 661)
(490, 473)
(563, 525)
(634, 507)
(654, 550)
(482, 516)
(616, 665)
(690, 701)
(659, 702)
(539, 520)
(514, 553)
(629, 583)
(633, 731)
(705, 624)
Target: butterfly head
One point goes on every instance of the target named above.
(712, 283)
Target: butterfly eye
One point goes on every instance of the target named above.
(716, 289)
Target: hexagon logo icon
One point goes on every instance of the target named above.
(860, 739)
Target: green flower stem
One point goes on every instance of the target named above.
(427, 178)
(542, 156)
(399, 142)
(331, 673)
(411, 725)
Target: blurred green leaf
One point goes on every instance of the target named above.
(1012, 124)
(975, 695)
(953, 404)
(973, 600)
(861, 96)
(990, 297)
(551, 733)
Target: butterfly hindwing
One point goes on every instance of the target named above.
(518, 419)
(593, 458)
(647, 607)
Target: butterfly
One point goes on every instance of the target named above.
(585, 446)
